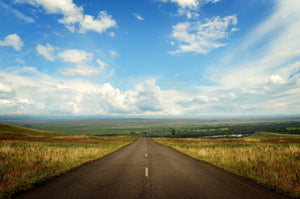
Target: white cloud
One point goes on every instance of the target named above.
(4, 88)
(190, 14)
(20, 61)
(273, 48)
(189, 7)
(25, 70)
(81, 70)
(275, 80)
(191, 4)
(113, 54)
(101, 63)
(46, 51)
(187, 3)
(200, 37)
(85, 70)
(17, 13)
(75, 56)
(81, 60)
(12, 40)
(262, 76)
(73, 16)
(50, 95)
(205, 99)
(147, 97)
(228, 95)
(234, 29)
(112, 34)
(37, 92)
(138, 16)
(100, 25)
(284, 15)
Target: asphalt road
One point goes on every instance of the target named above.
(146, 169)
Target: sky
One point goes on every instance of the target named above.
(164, 58)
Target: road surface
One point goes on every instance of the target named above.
(146, 169)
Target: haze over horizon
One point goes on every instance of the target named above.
(150, 58)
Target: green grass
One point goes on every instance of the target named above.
(292, 128)
(272, 135)
(12, 130)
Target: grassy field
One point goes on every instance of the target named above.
(31, 156)
(273, 162)
(272, 135)
(185, 128)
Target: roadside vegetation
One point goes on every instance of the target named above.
(30, 156)
(273, 135)
(273, 162)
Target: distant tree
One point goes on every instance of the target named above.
(173, 133)
(227, 134)
(211, 134)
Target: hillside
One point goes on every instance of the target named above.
(6, 129)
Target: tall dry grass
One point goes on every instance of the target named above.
(27, 160)
(271, 162)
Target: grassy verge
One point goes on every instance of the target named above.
(272, 135)
(29, 156)
(273, 162)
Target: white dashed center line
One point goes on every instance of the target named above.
(146, 172)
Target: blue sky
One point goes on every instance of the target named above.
(183, 58)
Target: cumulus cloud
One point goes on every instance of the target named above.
(138, 16)
(4, 88)
(216, 98)
(12, 40)
(75, 56)
(100, 24)
(275, 80)
(189, 8)
(36, 92)
(147, 97)
(80, 58)
(25, 70)
(50, 95)
(81, 61)
(200, 38)
(73, 15)
(82, 70)
(85, 70)
(191, 4)
(46, 51)
(101, 63)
